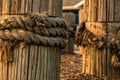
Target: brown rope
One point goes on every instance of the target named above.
(32, 29)
(115, 61)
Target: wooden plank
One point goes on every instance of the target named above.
(45, 62)
(29, 6)
(111, 10)
(55, 8)
(50, 8)
(1, 67)
(0, 7)
(89, 10)
(58, 59)
(19, 4)
(16, 59)
(39, 64)
(23, 56)
(19, 63)
(13, 66)
(97, 63)
(48, 63)
(88, 60)
(6, 7)
(42, 64)
(109, 68)
(51, 65)
(94, 12)
(4, 65)
(69, 18)
(102, 10)
(99, 10)
(44, 6)
(104, 60)
(36, 6)
(23, 6)
(100, 62)
(70, 47)
(86, 8)
(34, 59)
(117, 10)
(59, 10)
(82, 16)
(15, 6)
(10, 72)
(26, 67)
(5, 71)
(97, 28)
(1, 77)
(30, 62)
(92, 61)
(83, 62)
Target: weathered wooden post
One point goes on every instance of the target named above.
(30, 42)
(69, 19)
(99, 38)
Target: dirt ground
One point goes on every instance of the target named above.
(70, 68)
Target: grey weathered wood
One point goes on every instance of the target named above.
(32, 63)
(69, 19)
(51, 7)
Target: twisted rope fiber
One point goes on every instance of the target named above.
(86, 38)
(34, 29)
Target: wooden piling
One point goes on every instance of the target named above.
(102, 24)
(30, 40)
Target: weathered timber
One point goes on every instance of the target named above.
(82, 15)
(49, 7)
(28, 66)
(31, 57)
(69, 19)
(102, 10)
(100, 37)
(101, 47)
(30, 41)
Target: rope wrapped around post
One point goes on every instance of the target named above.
(87, 38)
(32, 29)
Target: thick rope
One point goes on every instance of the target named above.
(32, 29)
(115, 62)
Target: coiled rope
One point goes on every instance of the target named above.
(32, 29)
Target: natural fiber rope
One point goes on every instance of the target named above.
(86, 38)
(34, 29)
(115, 61)
(31, 29)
